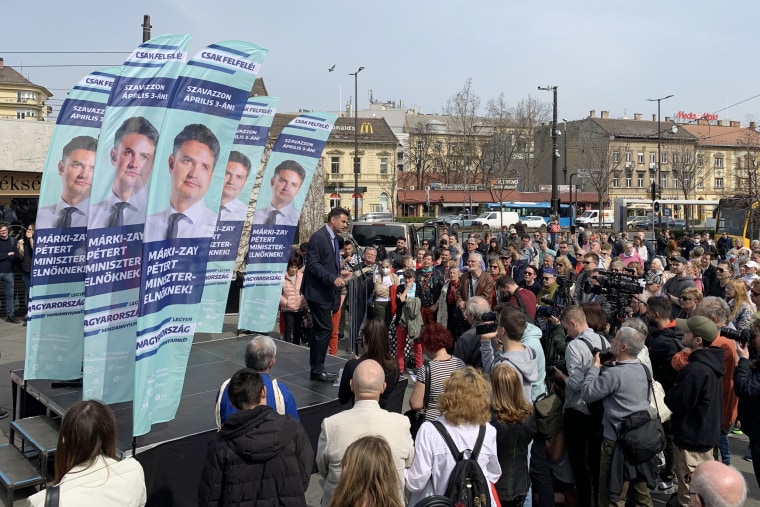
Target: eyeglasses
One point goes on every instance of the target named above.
(586, 262)
(720, 270)
(547, 278)
(529, 273)
(494, 266)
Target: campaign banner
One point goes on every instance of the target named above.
(56, 296)
(187, 184)
(237, 192)
(128, 139)
(286, 181)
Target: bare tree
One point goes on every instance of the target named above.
(424, 152)
(600, 160)
(529, 115)
(391, 184)
(690, 169)
(462, 109)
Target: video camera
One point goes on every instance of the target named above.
(743, 336)
(553, 306)
(618, 289)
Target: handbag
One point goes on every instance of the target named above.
(641, 436)
(306, 322)
(658, 402)
(417, 417)
(51, 495)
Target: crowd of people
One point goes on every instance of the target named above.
(525, 364)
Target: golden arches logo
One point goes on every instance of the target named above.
(366, 128)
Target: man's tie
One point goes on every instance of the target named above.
(337, 251)
(174, 219)
(65, 220)
(271, 217)
(117, 216)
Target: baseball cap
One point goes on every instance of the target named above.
(700, 326)
(678, 258)
(550, 271)
(513, 230)
(751, 264)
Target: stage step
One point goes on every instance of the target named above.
(16, 472)
(42, 433)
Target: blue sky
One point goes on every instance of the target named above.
(602, 55)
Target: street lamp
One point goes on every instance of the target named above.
(356, 141)
(564, 171)
(659, 156)
(555, 153)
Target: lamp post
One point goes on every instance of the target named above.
(555, 152)
(564, 171)
(572, 206)
(659, 156)
(356, 141)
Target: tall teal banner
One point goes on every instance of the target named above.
(128, 140)
(239, 178)
(183, 205)
(287, 178)
(56, 298)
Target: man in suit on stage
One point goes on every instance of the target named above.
(322, 278)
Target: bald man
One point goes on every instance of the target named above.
(714, 483)
(365, 418)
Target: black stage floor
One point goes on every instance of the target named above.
(172, 453)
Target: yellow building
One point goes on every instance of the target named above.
(20, 98)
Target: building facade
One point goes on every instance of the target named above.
(20, 98)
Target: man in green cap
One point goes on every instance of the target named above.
(696, 401)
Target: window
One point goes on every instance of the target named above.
(383, 165)
(334, 165)
(700, 183)
(628, 156)
(700, 160)
(615, 181)
(616, 156)
(640, 158)
(718, 183)
(652, 158)
(640, 176)
(26, 96)
(334, 202)
(25, 113)
(628, 182)
(686, 159)
(664, 158)
(718, 161)
(664, 180)
(675, 180)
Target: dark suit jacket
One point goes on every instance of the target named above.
(321, 270)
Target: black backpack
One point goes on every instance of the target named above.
(467, 486)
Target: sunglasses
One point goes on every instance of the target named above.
(686, 299)
(494, 267)
(720, 270)
(586, 262)
(547, 278)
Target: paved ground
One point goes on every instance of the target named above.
(12, 347)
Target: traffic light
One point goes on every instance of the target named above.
(654, 191)
(657, 207)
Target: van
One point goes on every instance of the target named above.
(590, 218)
(380, 216)
(388, 232)
(495, 219)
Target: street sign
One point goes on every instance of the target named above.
(666, 212)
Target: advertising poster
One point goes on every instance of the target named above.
(128, 140)
(183, 205)
(56, 297)
(239, 178)
(287, 178)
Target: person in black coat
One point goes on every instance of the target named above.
(259, 457)
(696, 401)
(747, 388)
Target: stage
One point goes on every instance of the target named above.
(172, 454)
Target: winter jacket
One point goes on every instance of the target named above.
(259, 458)
(747, 388)
(291, 298)
(663, 344)
(532, 338)
(411, 317)
(696, 400)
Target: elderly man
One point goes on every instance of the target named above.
(696, 401)
(365, 418)
(620, 389)
(260, 356)
(467, 346)
(475, 282)
(472, 249)
(590, 263)
(714, 483)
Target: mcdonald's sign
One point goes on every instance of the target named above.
(366, 128)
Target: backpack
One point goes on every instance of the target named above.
(467, 486)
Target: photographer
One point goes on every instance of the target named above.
(620, 386)
(582, 430)
(747, 388)
(467, 346)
